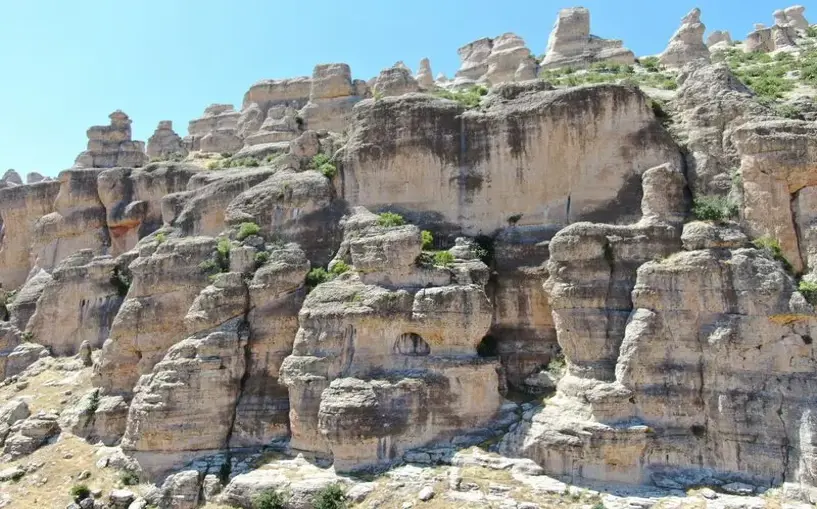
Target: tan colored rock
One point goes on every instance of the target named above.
(338, 407)
(771, 177)
(687, 44)
(82, 299)
(133, 200)
(394, 81)
(571, 45)
(796, 18)
(24, 304)
(165, 143)
(331, 98)
(29, 435)
(493, 61)
(719, 40)
(289, 92)
(424, 77)
(215, 131)
(166, 279)
(110, 146)
(566, 171)
(759, 41)
(20, 208)
(78, 221)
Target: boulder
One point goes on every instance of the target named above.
(110, 146)
(215, 131)
(719, 40)
(687, 44)
(493, 61)
(24, 304)
(29, 435)
(395, 81)
(571, 45)
(796, 18)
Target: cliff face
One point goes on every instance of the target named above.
(381, 274)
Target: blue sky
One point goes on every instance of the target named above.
(67, 64)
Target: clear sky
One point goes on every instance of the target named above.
(67, 64)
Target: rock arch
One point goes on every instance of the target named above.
(411, 344)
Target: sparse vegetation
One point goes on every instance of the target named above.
(129, 478)
(714, 208)
(339, 268)
(443, 259)
(317, 276)
(390, 220)
(470, 97)
(606, 72)
(261, 258)
(331, 497)
(556, 366)
(269, 499)
(772, 247)
(247, 229)
(428, 239)
(161, 237)
(79, 492)
(324, 164)
(809, 291)
(650, 64)
(28, 336)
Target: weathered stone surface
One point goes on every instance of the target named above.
(165, 143)
(493, 61)
(719, 40)
(294, 206)
(178, 491)
(796, 18)
(15, 354)
(20, 208)
(215, 131)
(77, 222)
(111, 145)
(276, 293)
(280, 125)
(96, 418)
(338, 406)
(166, 280)
(33, 177)
(292, 92)
(133, 199)
(24, 304)
(395, 80)
(82, 298)
(571, 45)
(564, 171)
(687, 44)
(711, 103)
(707, 235)
(424, 76)
(773, 174)
(331, 98)
(29, 435)
(11, 178)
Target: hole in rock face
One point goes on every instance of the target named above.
(488, 347)
(411, 344)
(698, 430)
(807, 340)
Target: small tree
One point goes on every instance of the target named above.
(428, 239)
(269, 499)
(331, 497)
(390, 219)
(247, 229)
(79, 492)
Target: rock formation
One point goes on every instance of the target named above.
(424, 75)
(571, 45)
(331, 98)
(493, 61)
(34, 177)
(719, 40)
(396, 80)
(111, 145)
(165, 143)
(687, 44)
(215, 131)
(11, 178)
(796, 18)
(789, 25)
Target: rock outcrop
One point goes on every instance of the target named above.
(562, 172)
(493, 61)
(111, 145)
(331, 98)
(215, 131)
(165, 143)
(796, 17)
(424, 76)
(396, 80)
(687, 44)
(719, 40)
(571, 45)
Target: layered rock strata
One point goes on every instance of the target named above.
(111, 145)
(494, 61)
(165, 143)
(571, 45)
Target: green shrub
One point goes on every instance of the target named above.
(79, 492)
(772, 247)
(226, 155)
(94, 403)
(28, 336)
(713, 208)
(317, 276)
(129, 478)
(809, 291)
(788, 111)
(443, 259)
(811, 31)
(331, 497)
(470, 97)
(340, 267)
(390, 219)
(598, 505)
(161, 238)
(556, 366)
(650, 64)
(512, 220)
(213, 165)
(247, 229)
(428, 239)
(261, 258)
(209, 266)
(269, 499)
